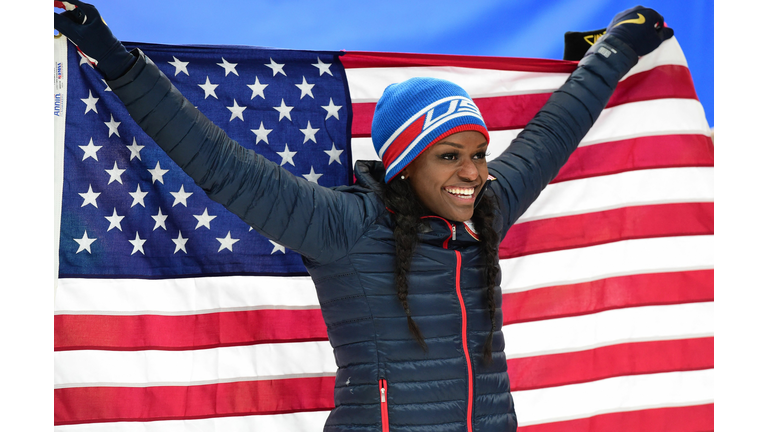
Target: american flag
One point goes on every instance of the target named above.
(171, 314)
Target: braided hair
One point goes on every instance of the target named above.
(407, 212)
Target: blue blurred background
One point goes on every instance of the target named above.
(522, 28)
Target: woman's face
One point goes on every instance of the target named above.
(447, 176)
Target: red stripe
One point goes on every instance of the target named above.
(366, 59)
(589, 229)
(140, 332)
(609, 293)
(111, 404)
(611, 361)
(661, 151)
(661, 82)
(696, 418)
(514, 112)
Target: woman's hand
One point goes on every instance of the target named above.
(83, 25)
(641, 28)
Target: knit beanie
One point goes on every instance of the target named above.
(414, 114)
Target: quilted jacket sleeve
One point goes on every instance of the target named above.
(534, 158)
(319, 223)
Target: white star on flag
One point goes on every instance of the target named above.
(276, 67)
(261, 133)
(236, 110)
(135, 150)
(287, 156)
(309, 133)
(333, 154)
(208, 88)
(90, 197)
(157, 173)
(138, 244)
(112, 125)
(180, 197)
(160, 220)
(323, 67)
(333, 110)
(228, 67)
(312, 176)
(138, 196)
(90, 150)
(227, 242)
(180, 243)
(84, 243)
(105, 83)
(179, 65)
(90, 103)
(114, 220)
(277, 247)
(306, 88)
(114, 174)
(285, 111)
(257, 88)
(204, 219)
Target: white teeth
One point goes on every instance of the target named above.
(464, 192)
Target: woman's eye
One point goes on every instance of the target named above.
(482, 155)
(448, 156)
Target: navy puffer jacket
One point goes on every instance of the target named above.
(385, 381)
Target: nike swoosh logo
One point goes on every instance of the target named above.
(639, 20)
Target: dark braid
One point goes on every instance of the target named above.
(483, 219)
(399, 197)
(407, 212)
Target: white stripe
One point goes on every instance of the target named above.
(183, 296)
(301, 421)
(632, 188)
(626, 393)
(611, 327)
(653, 255)
(367, 84)
(648, 118)
(80, 368)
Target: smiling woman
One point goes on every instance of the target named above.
(405, 261)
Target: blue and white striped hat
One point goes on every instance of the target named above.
(414, 114)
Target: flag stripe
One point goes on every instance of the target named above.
(192, 367)
(638, 153)
(212, 330)
(609, 327)
(654, 255)
(611, 361)
(609, 293)
(113, 404)
(694, 418)
(619, 394)
(182, 296)
(625, 223)
(514, 111)
(631, 188)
